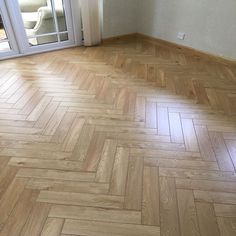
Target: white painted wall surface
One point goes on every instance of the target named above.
(210, 25)
(119, 17)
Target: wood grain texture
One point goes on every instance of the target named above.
(133, 193)
(99, 228)
(207, 219)
(119, 172)
(187, 213)
(95, 214)
(36, 220)
(150, 200)
(52, 227)
(168, 207)
(132, 137)
(81, 199)
(223, 210)
(227, 226)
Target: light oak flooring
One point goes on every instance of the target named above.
(131, 138)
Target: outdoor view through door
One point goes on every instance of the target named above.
(4, 42)
(44, 21)
(32, 26)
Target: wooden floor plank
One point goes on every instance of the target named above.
(10, 198)
(91, 228)
(36, 220)
(46, 164)
(173, 163)
(7, 176)
(133, 193)
(205, 143)
(163, 121)
(227, 226)
(105, 166)
(119, 172)
(151, 115)
(73, 135)
(150, 200)
(168, 207)
(55, 174)
(55, 120)
(190, 135)
(176, 128)
(35, 114)
(20, 213)
(215, 197)
(96, 214)
(45, 115)
(225, 210)
(220, 149)
(94, 152)
(52, 227)
(207, 219)
(62, 130)
(187, 213)
(68, 186)
(81, 199)
(81, 148)
(198, 174)
(206, 185)
(231, 145)
(140, 109)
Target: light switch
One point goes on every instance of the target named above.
(181, 35)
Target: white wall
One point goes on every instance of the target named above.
(210, 25)
(119, 17)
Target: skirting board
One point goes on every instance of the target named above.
(186, 49)
(124, 36)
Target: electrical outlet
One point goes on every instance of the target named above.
(181, 36)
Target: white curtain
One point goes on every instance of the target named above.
(91, 21)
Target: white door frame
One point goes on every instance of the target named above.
(73, 20)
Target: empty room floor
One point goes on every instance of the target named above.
(131, 138)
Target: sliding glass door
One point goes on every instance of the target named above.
(38, 25)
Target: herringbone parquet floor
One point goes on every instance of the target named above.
(132, 138)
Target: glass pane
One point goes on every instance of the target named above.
(42, 17)
(39, 19)
(60, 13)
(2, 31)
(43, 40)
(64, 37)
(4, 44)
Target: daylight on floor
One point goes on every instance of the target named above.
(117, 118)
